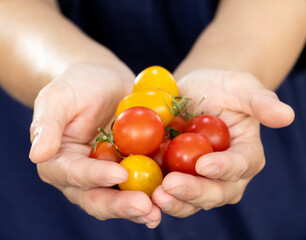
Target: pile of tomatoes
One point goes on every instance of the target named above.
(153, 133)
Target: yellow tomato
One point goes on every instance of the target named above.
(156, 76)
(154, 98)
(144, 174)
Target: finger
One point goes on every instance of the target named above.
(270, 111)
(171, 205)
(258, 101)
(152, 220)
(49, 119)
(242, 160)
(67, 169)
(203, 192)
(106, 203)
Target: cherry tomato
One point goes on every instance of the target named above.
(211, 127)
(158, 155)
(184, 151)
(143, 174)
(105, 151)
(178, 123)
(153, 98)
(156, 76)
(138, 130)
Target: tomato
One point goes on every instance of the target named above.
(178, 123)
(105, 151)
(211, 127)
(153, 98)
(156, 76)
(158, 155)
(143, 174)
(184, 151)
(138, 130)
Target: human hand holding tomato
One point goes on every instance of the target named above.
(67, 114)
(244, 103)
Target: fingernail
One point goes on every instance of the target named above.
(210, 170)
(152, 225)
(36, 134)
(178, 191)
(114, 180)
(143, 220)
(35, 139)
(133, 212)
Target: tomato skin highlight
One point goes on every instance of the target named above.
(156, 76)
(153, 98)
(138, 130)
(144, 174)
(105, 151)
(184, 151)
(211, 127)
(158, 155)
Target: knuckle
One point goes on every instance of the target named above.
(42, 175)
(242, 168)
(73, 176)
(100, 218)
(89, 204)
(260, 161)
(113, 206)
(195, 194)
(237, 198)
(216, 201)
(261, 164)
(185, 211)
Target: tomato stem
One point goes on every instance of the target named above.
(179, 105)
(218, 115)
(192, 115)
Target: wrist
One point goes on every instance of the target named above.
(214, 51)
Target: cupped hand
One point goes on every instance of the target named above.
(67, 114)
(244, 103)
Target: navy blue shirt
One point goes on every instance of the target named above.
(144, 33)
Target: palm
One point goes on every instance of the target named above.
(85, 98)
(243, 103)
(90, 95)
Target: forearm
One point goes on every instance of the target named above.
(37, 43)
(261, 37)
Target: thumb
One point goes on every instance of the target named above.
(49, 120)
(270, 111)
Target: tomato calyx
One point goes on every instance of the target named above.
(171, 133)
(106, 137)
(103, 137)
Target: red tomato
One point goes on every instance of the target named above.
(178, 123)
(211, 127)
(184, 151)
(105, 151)
(138, 130)
(158, 155)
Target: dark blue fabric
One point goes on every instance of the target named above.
(143, 33)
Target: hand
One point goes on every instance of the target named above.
(67, 114)
(244, 103)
